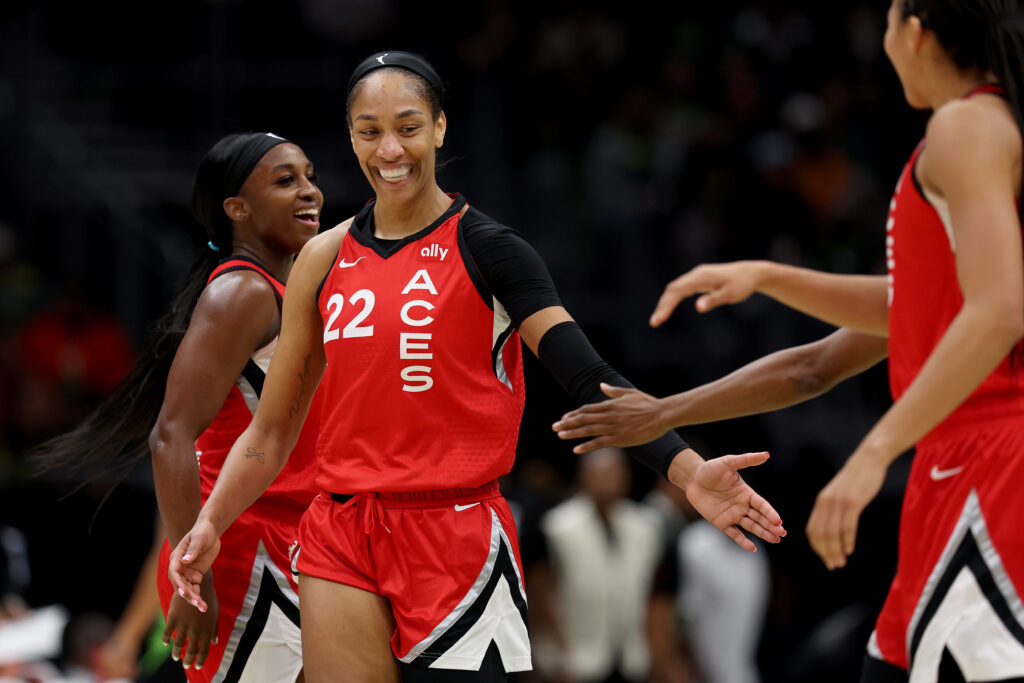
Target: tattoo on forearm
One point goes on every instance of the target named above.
(296, 409)
(250, 453)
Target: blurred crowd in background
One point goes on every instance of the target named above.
(628, 142)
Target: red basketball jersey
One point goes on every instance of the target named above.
(924, 297)
(424, 382)
(294, 485)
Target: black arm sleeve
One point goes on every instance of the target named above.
(568, 355)
(512, 269)
(516, 275)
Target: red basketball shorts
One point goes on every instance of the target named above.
(258, 628)
(954, 610)
(447, 561)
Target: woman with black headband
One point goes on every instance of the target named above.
(409, 318)
(256, 196)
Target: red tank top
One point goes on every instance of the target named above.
(294, 486)
(424, 382)
(924, 297)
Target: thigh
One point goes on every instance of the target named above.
(346, 633)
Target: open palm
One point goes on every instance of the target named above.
(720, 495)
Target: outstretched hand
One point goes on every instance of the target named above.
(190, 560)
(629, 419)
(720, 284)
(719, 494)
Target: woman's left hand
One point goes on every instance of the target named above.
(630, 418)
(832, 527)
(718, 492)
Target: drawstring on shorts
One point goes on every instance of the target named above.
(369, 506)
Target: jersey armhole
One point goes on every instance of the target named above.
(917, 183)
(244, 264)
(475, 276)
(323, 282)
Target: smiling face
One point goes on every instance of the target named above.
(279, 202)
(394, 135)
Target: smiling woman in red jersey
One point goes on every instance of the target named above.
(256, 197)
(407, 320)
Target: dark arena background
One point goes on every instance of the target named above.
(628, 142)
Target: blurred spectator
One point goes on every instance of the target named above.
(721, 592)
(119, 654)
(723, 597)
(69, 355)
(83, 637)
(592, 592)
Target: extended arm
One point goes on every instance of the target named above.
(855, 301)
(776, 381)
(518, 278)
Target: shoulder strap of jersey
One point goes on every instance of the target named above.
(986, 88)
(468, 260)
(241, 263)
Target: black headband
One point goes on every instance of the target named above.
(402, 60)
(243, 159)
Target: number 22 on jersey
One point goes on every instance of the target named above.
(412, 344)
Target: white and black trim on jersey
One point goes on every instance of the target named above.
(969, 621)
(503, 327)
(493, 610)
(268, 591)
(250, 384)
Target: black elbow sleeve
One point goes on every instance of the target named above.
(569, 357)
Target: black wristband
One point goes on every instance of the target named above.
(569, 357)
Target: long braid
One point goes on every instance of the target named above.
(115, 436)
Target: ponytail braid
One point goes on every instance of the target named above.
(115, 436)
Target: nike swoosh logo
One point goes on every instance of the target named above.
(345, 264)
(460, 508)
(938, 475)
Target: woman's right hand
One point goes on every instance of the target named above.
(720, 283)
(191, 559)
(191, 630)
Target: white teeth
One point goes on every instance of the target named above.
(308, 212)
(395, 175)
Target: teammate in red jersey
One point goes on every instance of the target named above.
(953, 309)
(408, 317)
(256, 196)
